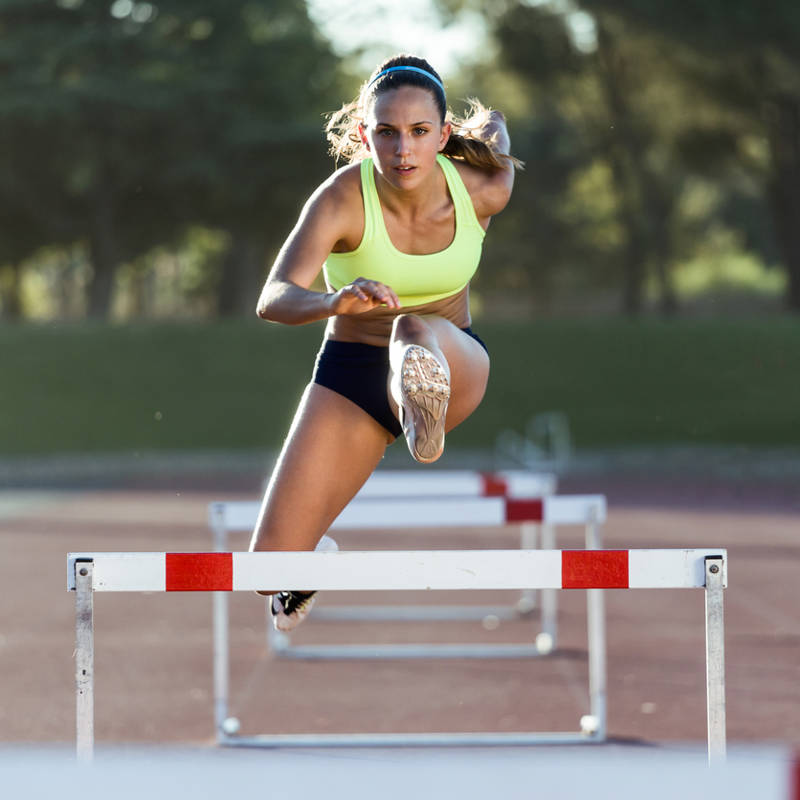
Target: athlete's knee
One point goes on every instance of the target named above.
(409, 326)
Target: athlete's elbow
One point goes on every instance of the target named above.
(269, 313)
(262, 308)
(273, 311)
(268, 303)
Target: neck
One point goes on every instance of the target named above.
(414, 201)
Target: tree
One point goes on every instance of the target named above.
(749, 63)
(612, 210)
(125, 122)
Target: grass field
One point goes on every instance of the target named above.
(92, 387)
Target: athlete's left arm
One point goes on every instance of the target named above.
(490, 190)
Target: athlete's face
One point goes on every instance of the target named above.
(404, 133)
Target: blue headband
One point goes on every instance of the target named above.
(408, 69)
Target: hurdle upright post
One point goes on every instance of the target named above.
(715, 658)
(596, 629)
(84, 660)
(221, 629)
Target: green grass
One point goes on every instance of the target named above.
(177, 386)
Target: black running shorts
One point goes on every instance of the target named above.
(360, 373)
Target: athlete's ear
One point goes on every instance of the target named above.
(447, 129)
(363, 134)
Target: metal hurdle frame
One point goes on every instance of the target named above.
(412, 570)
(240, 516)
(434, 512)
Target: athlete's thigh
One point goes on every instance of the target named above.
(469, 369)
(332, 448)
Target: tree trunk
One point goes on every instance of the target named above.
(10, 299)
(783, 130)
(104, 255)
(661, 207)
(634, 258)
(620, 151)
(646, 204)
(242, 276)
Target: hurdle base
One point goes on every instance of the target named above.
(419, 613)
(345, 652)
(332, 740)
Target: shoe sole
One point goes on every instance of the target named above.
(288, 622)
(424, 394)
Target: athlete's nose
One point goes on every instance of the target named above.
(402, 145)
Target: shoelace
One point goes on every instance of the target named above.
(291, 601)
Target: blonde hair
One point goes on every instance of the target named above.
(469, 141)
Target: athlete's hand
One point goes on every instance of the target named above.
(363, 295)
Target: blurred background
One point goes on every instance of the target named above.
(640, 294)
(640, 297)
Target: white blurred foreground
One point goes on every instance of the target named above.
(560, 773)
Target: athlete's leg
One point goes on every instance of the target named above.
(469, 368)
(332, 448)
(466, 367)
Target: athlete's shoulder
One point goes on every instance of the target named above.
(343, 184)
(336, 209)
(338, 195)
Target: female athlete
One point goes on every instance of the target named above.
(397, 234)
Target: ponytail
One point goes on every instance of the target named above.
(471, 143)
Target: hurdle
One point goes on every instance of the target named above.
(224, 518)
(430, 512)
(471, 570)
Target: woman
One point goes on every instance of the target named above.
(398, 235)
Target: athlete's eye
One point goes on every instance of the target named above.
(385, 132)
(420, 131)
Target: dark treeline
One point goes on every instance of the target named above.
(154, 156)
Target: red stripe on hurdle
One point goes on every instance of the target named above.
(594, 569)
(199, 572)
(794, 792)
(524, 510)
(493, 485)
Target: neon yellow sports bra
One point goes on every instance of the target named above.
(416, 279)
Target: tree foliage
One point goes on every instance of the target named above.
(123, 122)
(651, 132)
(662, 103)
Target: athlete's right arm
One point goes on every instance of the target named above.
(329, 217)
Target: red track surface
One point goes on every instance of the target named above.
(153, 652)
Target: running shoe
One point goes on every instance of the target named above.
(289, 609)
(424, 394)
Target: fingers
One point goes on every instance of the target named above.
(370, 291)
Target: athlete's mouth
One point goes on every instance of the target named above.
(405, 168)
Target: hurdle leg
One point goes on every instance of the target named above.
(715, 659)
(84, 660)
(221, 660)
(547, 639)
(596, 631)
(528, 540)
(221, 639)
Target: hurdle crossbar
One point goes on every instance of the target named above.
(458, 483)
(413, 570)
(432, 512)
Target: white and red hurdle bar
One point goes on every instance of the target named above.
(414, 570)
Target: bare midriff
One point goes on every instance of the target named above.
(375, 327)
